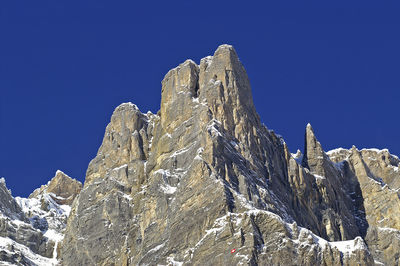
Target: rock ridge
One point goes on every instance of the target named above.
(31, 228)
(203, 177)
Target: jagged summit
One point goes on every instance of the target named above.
(220, 81)
(203, 182)
(8, 207)
(314, 159)
(203, 177)
(62, 186)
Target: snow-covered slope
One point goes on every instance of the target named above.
(31, 228)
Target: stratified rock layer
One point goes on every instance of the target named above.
(203, 182)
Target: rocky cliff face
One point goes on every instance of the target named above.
(203, 182)
(31, 228)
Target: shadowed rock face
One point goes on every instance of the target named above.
(15, 225)
(204, 177)
(8, 206)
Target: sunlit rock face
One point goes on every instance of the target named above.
(203, 182)
(62, 188)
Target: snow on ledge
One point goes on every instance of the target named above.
(337, 150)
(349, 246)
(6, 244)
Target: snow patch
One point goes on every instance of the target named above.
(54, 235)
(349, 246)
(218, 226)
(212, 129)
(126, 196)
(10, 246)
(173, 262)
(392, 230)
(337, 150)
(318, 176)
(167, 189)
(206, 60)
(128, 104)
(157, 248)
(198, 155)
(122, 166)
(181, 151)
(345, 247)
(50, 220)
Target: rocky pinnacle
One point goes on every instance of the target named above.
(203, 182)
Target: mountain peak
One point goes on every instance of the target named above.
(313, 152)
(227, 52)
(225, 46)
(62, 186)
(203, 182)
(204, 178)
(220, 83)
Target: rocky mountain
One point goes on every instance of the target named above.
(204, 182)
(32, 228)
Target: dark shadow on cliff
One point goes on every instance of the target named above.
(356, 195)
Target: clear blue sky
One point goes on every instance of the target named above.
(65, 65)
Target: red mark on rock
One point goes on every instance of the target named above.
(233, 250)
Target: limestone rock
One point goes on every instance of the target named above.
(203, 182)
(384, 244)
(371, 168)
(62, 188)
(8, 206)
(30, 228)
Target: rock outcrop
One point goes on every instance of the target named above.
(62, 188)
(31, 228)
(377, 173)
(203, 182)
